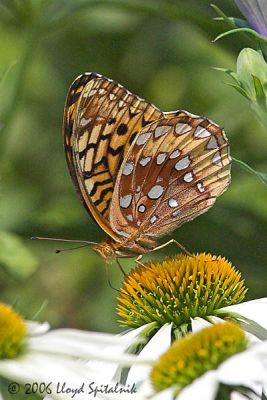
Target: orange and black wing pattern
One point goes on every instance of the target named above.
(101, 120)
(174, 171)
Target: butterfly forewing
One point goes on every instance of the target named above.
(173, 172)
(101, 120)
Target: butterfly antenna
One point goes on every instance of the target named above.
(85, 242)
(72, 248)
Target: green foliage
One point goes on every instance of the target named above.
(239, 25)
(254, 35)
(251, 81)
(260, 175)
(15, 256)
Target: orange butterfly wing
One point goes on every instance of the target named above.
(140, 172)
(101, 120)
(173, 172)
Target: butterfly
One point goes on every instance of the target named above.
(140, 172)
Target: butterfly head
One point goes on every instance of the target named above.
(111, 250)
(107, 250)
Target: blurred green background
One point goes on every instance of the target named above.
(160, 50)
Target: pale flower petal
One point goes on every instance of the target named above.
(254, 315)
(255, 310)
(239, 396)
(157, 345)
(108, 368)
(166, 394)
(215, 320)
(134, 333)
(37, 328)
(204, 388)
(198, 323)
(255, 12)
(89, 337)
(85, 345)
(145, 390)
(34, 367)
(246, 368)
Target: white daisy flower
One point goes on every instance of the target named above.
(188, 293)
(218, 361)
(55, 360)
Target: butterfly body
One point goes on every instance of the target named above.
(111, 250)
(140, 172)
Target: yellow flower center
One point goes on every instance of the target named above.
(178, 289)
(12, 332)
(195, 354)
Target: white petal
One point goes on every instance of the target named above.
(166, 394)
(255, 310)
(246, 368)
(84, 345)
(35, 367)
(135, 333)
(146, 390)
(198, 323)
(204, 388)
(111, 369)
(259, 350)
(237, 396)
(36, 328)
(215, 320)
(156, 346)
(252, 396)
(90, 337)
(251, 338)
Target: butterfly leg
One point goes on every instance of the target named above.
(138, 260)
(182, 248)
(108, 279)
(120, 267)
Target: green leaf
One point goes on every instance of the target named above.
(239, 22)
(228, 72)
(251, 62)
(260, 95)
(252, 74)
(239, 89)
(249, 31)
(15, 256)
(6, 72)
(251, 81)
(262, 176)
(219, 11)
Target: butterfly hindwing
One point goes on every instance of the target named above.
(174, 171)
